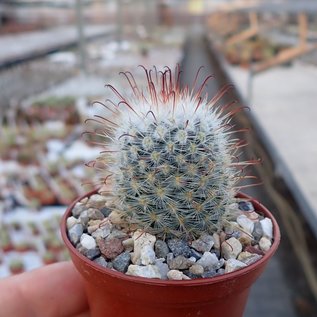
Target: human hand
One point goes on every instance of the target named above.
(55, 290)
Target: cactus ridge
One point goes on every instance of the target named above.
(171, 159)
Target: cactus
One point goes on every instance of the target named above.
(170, 158)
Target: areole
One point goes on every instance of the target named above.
(114, 294)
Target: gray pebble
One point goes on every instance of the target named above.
(102, 232)
(78, 209)
(179, 247)
(245, 206)
(221, 271)
(163, 268)
(191, 275)
(257, 231)
(92, 253)
(101, 261)
(161, 249)
(216, 251)
(180, 263)
(117, 234)
(97, 201)
(71, 221)
(105, 211)
(95, 214)
(220, 264)
(210, 273)
(169, 257)
(204, 243)
(84, 218)
(195, 254)
(122, 262)
(208, 260)
(88, 253)
(75, 233)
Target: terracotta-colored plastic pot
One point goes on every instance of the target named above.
(114, 294)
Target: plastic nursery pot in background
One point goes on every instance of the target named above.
(114, 294)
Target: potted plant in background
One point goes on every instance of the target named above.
(168, 233)
(16, 266)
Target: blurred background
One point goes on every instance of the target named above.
(55, 59)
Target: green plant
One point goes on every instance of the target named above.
(49, 257)
(5, 240)
(16, 266)
(172, 165)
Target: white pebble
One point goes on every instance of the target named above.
(216, 238)
(97, 201)
(246, 224)
(149, 271)
(233, 265)
(87, 241)
(71, 221)
(102, 232)
(248, 258)
(267, 227)
(265, 244)
(177, 275)
(245, 239)
(115, 217)
(254, 216)
(231, 248)
(208, 260)
(196, 269)
(83, 201)
(141, 239)
(128, 243)
(147, 255)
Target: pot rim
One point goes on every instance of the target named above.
(194, 282)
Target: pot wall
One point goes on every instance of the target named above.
(113, 294)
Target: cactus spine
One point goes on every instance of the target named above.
(171, 160)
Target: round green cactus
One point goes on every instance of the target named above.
(171, 161)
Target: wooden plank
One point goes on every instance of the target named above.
(291, 53)
(283, 57)
(303, 28)
(246, 34)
